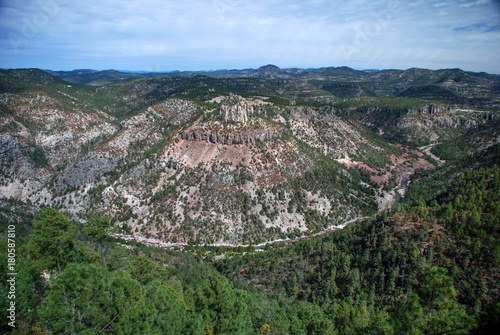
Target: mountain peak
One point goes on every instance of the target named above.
(269, 67)
(270, 71)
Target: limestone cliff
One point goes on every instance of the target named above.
(249, 136)
(238, 112)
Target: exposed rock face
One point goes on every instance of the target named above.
(238, 112)
(431, 109)
(324, 129)
(15, 157)
(89, 169)
(232, 138)
(489, 117)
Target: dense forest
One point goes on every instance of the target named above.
(428, 266)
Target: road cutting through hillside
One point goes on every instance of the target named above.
(151, 242)
(428, 151)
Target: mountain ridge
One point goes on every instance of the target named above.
(266, 71)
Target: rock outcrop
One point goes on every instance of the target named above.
(88, 169)
(430, 109)
(489, 116)
(236, 112)
(249, 136)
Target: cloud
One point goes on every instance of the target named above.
(196, 34)
(483, 27)
(475, 3)
(416, 3)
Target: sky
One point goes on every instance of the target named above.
(167, 35)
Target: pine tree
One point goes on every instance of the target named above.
(51, 243)
(99, 228)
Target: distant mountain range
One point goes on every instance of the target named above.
(94, 77)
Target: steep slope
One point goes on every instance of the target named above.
(232, 175)
(45, 126)
(176, 170)
(417, 122)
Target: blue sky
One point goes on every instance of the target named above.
(165, 35)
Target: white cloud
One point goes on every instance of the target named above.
(415, 3)
(475, 3)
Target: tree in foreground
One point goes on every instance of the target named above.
(432, 308)
(85, 299)
(224, 309)
(98, 227)
(51, 243)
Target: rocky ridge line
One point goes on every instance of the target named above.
(249, 137)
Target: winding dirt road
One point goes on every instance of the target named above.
(151, 242)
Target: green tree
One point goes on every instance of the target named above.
(98, 227)
(280, 322)
(309, 319)
(52, 241)
(146, 271)
(170, 313)
(85, 299)
(432, 307)
(29, 289)
(360, 318)
(380, 323)
(224, 309)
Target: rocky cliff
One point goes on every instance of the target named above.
(88, 169)
(422, 124)
(237, 112)
(246, 136)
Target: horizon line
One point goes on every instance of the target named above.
(250, 68)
